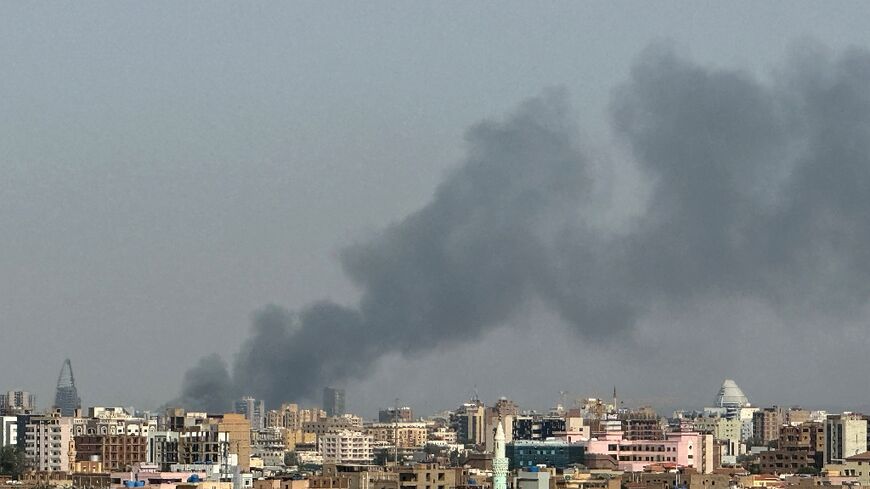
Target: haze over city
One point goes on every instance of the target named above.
(436, 201)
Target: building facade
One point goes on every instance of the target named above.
(254, 411)
(333, 401)
(552, 453)
(15, 402)
(48, 443)
(685, 449)
(845, 436)
(345, 447)
(8, 431)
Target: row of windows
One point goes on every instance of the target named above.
(641, 448)
(538, 451)
(638, 458)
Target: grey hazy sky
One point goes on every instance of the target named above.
(168, 168)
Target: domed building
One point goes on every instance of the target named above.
(730, 396)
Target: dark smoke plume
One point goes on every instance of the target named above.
(758, 188)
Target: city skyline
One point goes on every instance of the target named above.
(655, 204)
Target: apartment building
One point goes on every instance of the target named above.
(333, 424)
(162, 449)
(118, 440)
(345, 447)
(409, 435)
(48, 442)
(16, 402)
(845, 436)
(766, 423)
(8, 431)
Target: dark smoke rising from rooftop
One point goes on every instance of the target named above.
(755, 188)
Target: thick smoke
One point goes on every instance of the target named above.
(756, 188)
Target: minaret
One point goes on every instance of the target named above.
(499, 461)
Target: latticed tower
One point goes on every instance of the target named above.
(66, 397)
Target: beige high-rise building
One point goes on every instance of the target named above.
(329, 425)
(469, 422)
(215, 439)
(766, 424)
(291, 417)
(48, 443)
(409, 434)
(796, 416)
(238, 431)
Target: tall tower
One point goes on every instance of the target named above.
(66, 397)
(499, 461)
(333, 401)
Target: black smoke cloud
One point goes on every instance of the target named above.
(755, 188)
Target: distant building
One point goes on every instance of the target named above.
(469, 423)
(409, 434)
(332, 425)
(642, 424)
(291, 417)
(15, 402)
(254, 411)
(333, 401)
(731, 396)
(731, 403)
(66, 397)
(390, 415)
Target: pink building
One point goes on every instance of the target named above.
(687, 449)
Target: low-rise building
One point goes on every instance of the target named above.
(854, 469)
(552, 453)
(686, 449)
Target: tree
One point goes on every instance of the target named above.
(12, 461)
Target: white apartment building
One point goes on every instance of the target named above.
(8, 431)
(845, 436)
(47, 442)
(346, 447)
